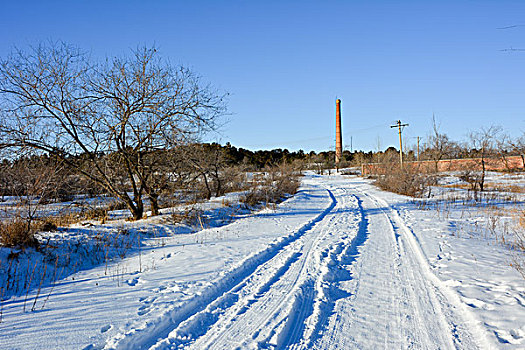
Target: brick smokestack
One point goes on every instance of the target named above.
(338, 134)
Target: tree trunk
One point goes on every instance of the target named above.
(154, 202)
(140, 211)
(208, 189)
(137, 211)
(218, 189)
(482, 181)
(135, 205)
(504, 159)
(218, 193)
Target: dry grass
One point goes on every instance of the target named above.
(52, 222)
(271, 187)
(458, 186)
(518, 245)
(192, 216)
(504, 187)
(507, 227)
(490, 186)
(68, 218)
(407, 182)
(18, 233)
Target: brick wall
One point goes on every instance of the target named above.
(491, 164)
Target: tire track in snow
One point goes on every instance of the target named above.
(464, 330)
(155, 330)
(278, 320)
(328, 288)
(267, 311)
(238, 301)
(436, 309)
(291, 328)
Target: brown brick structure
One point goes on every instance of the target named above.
(338, 134)
(491, 164)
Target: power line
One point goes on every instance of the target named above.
(328, 139)
(512, 49)
(513, 26)
(400, 127)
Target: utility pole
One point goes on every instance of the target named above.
(400, 127)
(418, 149)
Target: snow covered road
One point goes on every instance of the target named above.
(394, 300)
(336, 267)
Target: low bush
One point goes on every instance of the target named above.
(472, 178)
(275, 184)
(253, 197)
(116, 205)
(96, 213)
(17, 233)
(408, 182)
(47, 225)
(192, 217)
(518, 245)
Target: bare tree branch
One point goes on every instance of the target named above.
(104, 119)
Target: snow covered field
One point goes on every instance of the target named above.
(341, 265)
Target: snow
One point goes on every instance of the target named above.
(340, 265)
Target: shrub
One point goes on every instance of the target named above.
(47, 225)
(273, 186)
(17, 233)
(191, 217)
(253, 197)
(472, 178)
(116, 205)
(235, 180)
(95, 213)
(409, 182)
(518, 245)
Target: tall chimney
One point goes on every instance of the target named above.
(338, 134)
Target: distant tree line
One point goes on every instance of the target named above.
(177, 167)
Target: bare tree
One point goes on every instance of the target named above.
(104, 119)
(517, 146)
(502, 143)
(483, 144)
(439, 145)
(209, 163)
(33, 180)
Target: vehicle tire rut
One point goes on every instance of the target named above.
(197, 313)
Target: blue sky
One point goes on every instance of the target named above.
(285, 62)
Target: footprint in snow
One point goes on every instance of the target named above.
(160, 289)
(512, 337)
(477, 304)
(453, 283)
(500, 288)
(105, 328)
(520, 300)
(167, 256)
(517, 333)
(147, 300)
(143, 310)
(133, 282)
